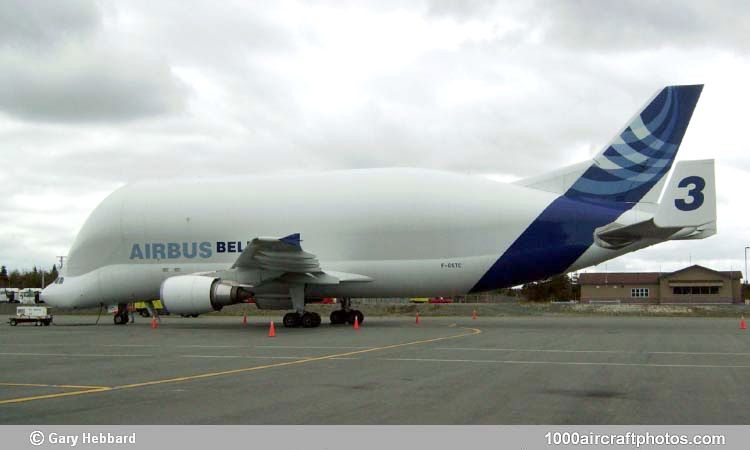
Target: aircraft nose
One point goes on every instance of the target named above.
(50, 296)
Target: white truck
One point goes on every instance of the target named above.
(29, 296)
(38, 315)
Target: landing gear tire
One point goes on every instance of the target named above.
(13, 322)
(355, 313)
(120, 319)
(338, 317)
(310, 320)
(291, 320)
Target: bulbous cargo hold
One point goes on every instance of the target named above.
(352, 221)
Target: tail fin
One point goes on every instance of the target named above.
(637, 159)
(690, 197)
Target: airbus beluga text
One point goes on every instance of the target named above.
(285, 240)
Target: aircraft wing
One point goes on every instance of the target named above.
(277, 254)
(284, 258)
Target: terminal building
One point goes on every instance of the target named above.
(692, 285)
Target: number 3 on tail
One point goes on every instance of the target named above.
(695, 193)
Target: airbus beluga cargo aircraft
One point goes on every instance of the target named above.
(285, 240)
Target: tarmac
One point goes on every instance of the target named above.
(444, 370)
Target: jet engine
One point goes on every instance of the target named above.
(195, 294)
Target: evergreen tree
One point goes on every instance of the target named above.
(15, 279)
(27, 279)
(4, 280)
(556, 288)
(52, 275)
(34, 279)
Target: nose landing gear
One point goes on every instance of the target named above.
(121, 316)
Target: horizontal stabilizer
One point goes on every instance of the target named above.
(615, 236)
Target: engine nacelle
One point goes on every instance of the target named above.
(195, 294)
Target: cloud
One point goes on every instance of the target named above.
(77, 85)
(468, 9)
(46, 22)
(55, 66)
(634, 25)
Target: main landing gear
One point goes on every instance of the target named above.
(300, 317)
(346, 314)
(306, 320)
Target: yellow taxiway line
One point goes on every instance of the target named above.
(95, 389)
(290, 363)
(64, 386)
(81, 390)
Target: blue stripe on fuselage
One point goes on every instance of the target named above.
(551, 244)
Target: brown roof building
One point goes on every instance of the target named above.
(695, 284)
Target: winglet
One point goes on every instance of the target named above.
(292, 239)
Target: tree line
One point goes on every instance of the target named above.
(560, 288)
(27, 278)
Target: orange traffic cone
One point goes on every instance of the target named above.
(244, 319)
(417, 321)
(743, 325)
(474, 315)
(356, 322)
(272, 330)
(154, 323)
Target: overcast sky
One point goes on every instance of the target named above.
(94, 95)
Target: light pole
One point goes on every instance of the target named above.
(746, 264)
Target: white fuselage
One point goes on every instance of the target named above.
(414, 232)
